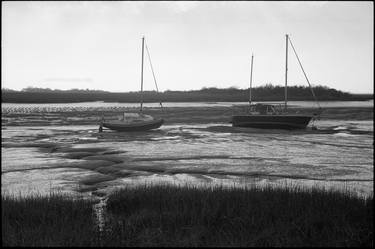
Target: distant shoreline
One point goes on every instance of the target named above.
(134, 106)
(267, 93)
(41, 101)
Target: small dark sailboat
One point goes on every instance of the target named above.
(266, 116)
(135, 121)
(139, 123)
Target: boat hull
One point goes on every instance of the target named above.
(288, 122)
(137, 126)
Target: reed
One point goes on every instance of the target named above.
(219, 216)
(54, 220)
(184, 216)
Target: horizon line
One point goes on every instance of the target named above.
(227, 88)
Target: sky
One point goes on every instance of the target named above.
(192, 44)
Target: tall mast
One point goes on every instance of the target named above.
(251, 78)
(286, 71)
(143, 43)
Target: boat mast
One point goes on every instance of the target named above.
(286, 71)
(143, 43)
(251, 77)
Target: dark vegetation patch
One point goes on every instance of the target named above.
(49, 221)
(189, 216)
(267, 92)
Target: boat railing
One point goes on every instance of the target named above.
(279, 109)
(266, 109)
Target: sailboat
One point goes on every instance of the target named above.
(267, 116)
(135, 121)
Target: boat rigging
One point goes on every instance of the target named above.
(136, 121)
(269, 116)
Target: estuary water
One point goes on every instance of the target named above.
(77, 159)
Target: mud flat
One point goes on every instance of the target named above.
(200, 160)
(173, 115)
(61, 148)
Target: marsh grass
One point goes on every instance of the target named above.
(54, 220)
(166, 215)
(219, 216)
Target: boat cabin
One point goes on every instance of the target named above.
(135, 117)
(263, 109)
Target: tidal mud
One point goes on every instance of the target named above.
(70, 155)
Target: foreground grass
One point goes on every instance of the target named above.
(186, 216)
(54, 220)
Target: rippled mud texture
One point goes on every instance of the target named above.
(64, 114)
(63, 151)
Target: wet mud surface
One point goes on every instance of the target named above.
(63, 151)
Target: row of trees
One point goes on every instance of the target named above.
(267, 92)
(37, 89)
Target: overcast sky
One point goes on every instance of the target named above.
(194, 44)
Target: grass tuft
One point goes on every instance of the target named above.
(54, 220)
(165, 215)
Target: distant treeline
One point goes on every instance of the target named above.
(263, 93)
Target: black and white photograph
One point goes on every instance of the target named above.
(187, 123)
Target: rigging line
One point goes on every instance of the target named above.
(312, 91)
(153, 74)
(251, 77)
(143, 41)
